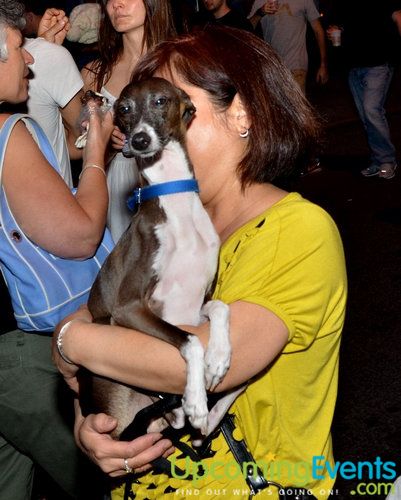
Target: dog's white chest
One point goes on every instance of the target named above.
(186, 260)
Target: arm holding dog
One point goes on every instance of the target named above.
(128, 355)
(92, 435)
(113, 351)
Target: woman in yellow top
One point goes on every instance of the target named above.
(281, 271)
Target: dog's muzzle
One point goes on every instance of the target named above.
(141, 141)
(140, 144)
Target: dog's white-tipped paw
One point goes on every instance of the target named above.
(178, 418)
(194, 401)
(218, 354)
(216, 363)
(195, 407)
(208, 308)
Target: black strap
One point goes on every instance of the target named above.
(139, 425)
(254, 476)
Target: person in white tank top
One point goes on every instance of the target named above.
(123, 39)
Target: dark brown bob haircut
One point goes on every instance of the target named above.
(226, 61)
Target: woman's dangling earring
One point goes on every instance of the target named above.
(244, 134)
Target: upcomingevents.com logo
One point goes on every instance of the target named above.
(376, 477)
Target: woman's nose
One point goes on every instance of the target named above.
(28, 58)
(118, 4)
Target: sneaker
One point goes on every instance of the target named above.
(387, 170)
(371, 171)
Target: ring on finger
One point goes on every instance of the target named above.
(128, 469)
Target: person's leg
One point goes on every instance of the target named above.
(369, 87)
(16, 477)
(377, 82)
(356, 82)
(356, 77)
(31, 391)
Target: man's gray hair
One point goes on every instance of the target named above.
(11, 16)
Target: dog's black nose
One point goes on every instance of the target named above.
(141, 141)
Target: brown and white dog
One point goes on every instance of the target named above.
(165, 263)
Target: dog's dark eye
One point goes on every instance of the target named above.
(124, 109)
(161, 101)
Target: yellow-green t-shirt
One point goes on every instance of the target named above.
(289, 260)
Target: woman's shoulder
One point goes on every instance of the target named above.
(303, 225)
(293, 221)
(298, 210)
(290, 214)
(20, 118)
(4, 117)
(18, 125)
(89, 73)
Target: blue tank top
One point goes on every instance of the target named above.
(43, 288)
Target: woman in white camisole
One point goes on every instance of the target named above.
(127, 30)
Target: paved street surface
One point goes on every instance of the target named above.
(368, 213)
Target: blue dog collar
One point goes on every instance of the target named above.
(148, 192)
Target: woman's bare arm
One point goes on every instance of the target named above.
(43, 205)
(257, 337)
(89, 77)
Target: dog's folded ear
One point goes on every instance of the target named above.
(187, 108)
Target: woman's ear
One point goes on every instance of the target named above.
(29, 24)
(238, 117)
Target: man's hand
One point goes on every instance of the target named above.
(92, 435)
(270, 7)
(54, 26)
(322, 75)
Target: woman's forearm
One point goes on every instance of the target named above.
(143, 361)
(126, 355)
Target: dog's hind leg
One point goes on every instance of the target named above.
(218, 352)
(194, 400)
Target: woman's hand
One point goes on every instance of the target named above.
(54, 26)
(100, 127)
(92, 435)
(68, 370)
(117, 139)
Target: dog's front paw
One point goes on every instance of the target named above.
(194, 401)
(217, 362)
(218, 353)
(195, 407)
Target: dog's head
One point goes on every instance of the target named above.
(151, 113)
